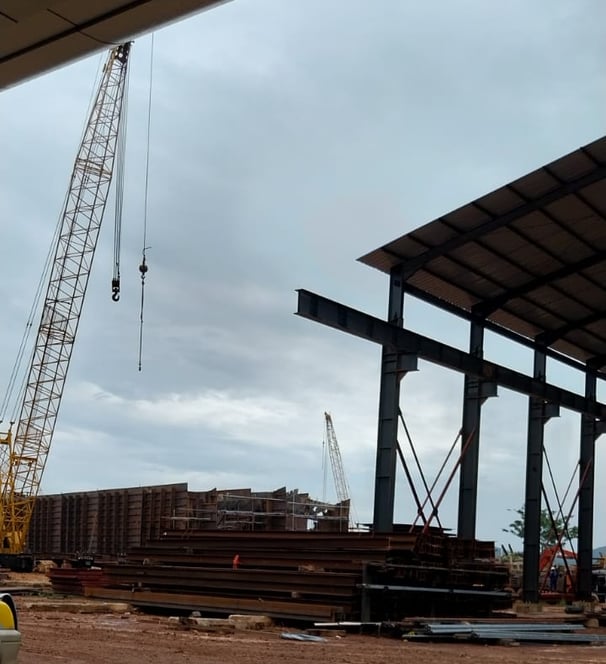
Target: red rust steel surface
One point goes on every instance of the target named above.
(308, 537)
(72, 581)
(327, 563)
(216, 604)
(289, 595)
(295, 575)
(109, 522)
(256, 581)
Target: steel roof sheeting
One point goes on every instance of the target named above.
(37, 36)
(529, 257)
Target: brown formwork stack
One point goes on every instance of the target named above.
(107, 522)
(110, 522)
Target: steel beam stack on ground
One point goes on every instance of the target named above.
(304, 575)
(73, 581)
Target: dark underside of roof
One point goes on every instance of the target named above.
(39, 35)
(529, 257)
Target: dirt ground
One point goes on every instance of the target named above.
(51, 637)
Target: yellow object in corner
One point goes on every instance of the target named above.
(7, 618)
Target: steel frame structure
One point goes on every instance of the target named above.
(528, 262)
(401, 348)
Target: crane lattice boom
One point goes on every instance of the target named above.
(24, 457)
(336, 462)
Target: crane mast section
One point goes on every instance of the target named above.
(70, 271)
(336, 462)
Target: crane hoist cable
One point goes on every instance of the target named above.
(119, 198)
(10, 400)
(143, 266)
(143, 272)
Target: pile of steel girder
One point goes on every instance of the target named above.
(300, 575)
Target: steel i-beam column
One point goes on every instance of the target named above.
(470, 441)
(534, 478)
(590, 430)
(389, 402)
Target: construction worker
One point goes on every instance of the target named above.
(553, 579)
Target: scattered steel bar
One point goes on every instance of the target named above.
(458, 628)
(544, 637)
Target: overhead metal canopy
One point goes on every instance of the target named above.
(39, 35)
(529, 257)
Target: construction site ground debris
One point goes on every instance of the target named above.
(131, 638)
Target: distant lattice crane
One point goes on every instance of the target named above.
(336, 462)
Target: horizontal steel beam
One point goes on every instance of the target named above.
(331, 313)
(220, 604)
(492, 594)
(502, 331)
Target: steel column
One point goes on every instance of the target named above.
(534, 478)
(389, 404)
(470, 437)
(589, 433)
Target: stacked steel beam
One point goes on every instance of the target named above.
(72, 581)
(284, 550)
(306, 576)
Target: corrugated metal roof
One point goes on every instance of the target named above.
(39, 35)
(529, 257)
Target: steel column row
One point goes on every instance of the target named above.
(400, 348)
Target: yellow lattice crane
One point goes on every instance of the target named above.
(23, 454)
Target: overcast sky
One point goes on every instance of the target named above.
(287, 140)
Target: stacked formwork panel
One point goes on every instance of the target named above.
(114, 521)
(105, 522)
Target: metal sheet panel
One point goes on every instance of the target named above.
(533, 252)
(46, 35)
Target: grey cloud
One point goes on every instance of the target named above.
(288, 139)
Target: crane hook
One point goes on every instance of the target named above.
(143, 270)
(115, 290)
